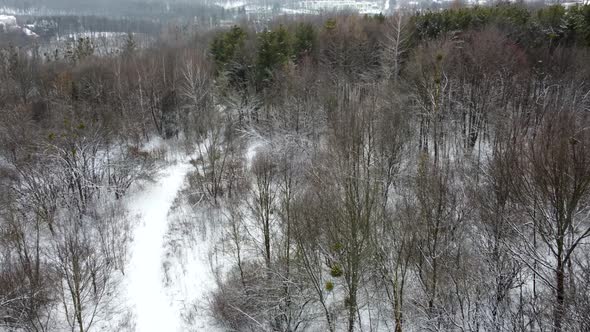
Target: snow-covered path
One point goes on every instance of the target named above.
(153, 309)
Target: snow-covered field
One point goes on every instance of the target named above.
(175, 255)
(312, 6)
(153, 309)
(9, 23)
(363, 7)
(157, 302)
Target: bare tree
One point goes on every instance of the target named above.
(196, 90)
(431, 87)
(307, 234)
(88, 253)
(397, 36)
(263, 201)
(494, 206)
(552, 188)
(439, 212)
(350, 189)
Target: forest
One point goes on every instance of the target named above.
(419, 171)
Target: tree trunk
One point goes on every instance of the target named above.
(560, 296)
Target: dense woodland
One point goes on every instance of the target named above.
(414, 172)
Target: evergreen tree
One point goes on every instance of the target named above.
(130, 46)
(274, 50)
(226, 45)
(305, 40)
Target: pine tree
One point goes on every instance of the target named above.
(130, 46)
(274, 50)
(305, 40)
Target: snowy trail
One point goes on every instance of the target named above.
(153, 309)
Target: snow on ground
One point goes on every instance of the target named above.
(29, 33)
(197, 251)
(170, 274)
(231, 4)
(363, 7)
(251, 152)
(191, 263)
(153, 309)
(95, 35)
(311, 6)
(7, 21)
(175, 253)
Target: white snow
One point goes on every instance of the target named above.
(94, 35)
(153, 309)
(231, 4)
(8, 21)
(386, 6)
(29, 33)
(251, 152)
(312, 6)
(170, 274)
(191, 263)
(363, 7)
